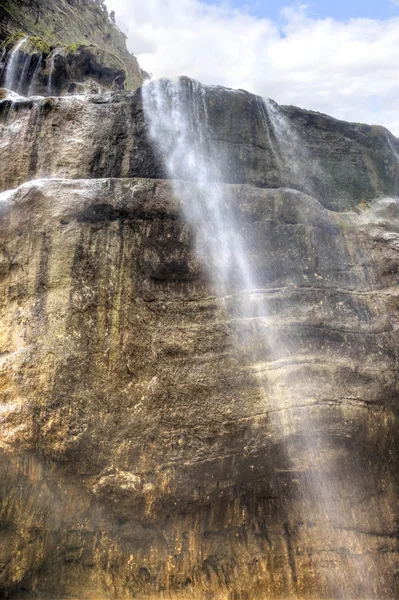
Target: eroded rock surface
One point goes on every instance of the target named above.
(342, 164)
(140, 456)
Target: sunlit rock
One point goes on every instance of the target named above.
(148, 430)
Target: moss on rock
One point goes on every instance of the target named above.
(71, 48)
(37, 45)
(10, 42)
(34, 44)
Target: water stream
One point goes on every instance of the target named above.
(24, 77)
(12, 81)
(177, 117)
(35, 77)
(26, 80)
(51, 67)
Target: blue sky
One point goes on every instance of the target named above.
(337, 9)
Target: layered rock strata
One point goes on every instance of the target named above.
(106, 136)
(139, 451)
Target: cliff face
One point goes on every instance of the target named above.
(73, 47)
(139, 452)
(342, 164)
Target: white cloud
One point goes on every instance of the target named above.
(347, 69)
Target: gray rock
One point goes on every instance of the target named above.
(106, 136)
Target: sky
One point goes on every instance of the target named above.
(338, 57)
(336, 9)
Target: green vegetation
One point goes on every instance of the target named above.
(70, 24)
(13, 40)
(34, 43)
(72, 48)
(11, 8)
(38, 44)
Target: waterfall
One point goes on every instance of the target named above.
(51, 67)
(35, 76)
(296, 165)
(12, 65)
(23, 80)
(176, 113)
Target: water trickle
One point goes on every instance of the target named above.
(11, 81)
(177, 116)
(51, 67)
(35, 76)
(12, 99)
(296, 164)
(23, 79)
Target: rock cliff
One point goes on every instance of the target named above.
(60, 137)
(140, 457)
(72, 47)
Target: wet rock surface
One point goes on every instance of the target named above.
(85, 69)
(140, 456)
(63, 71)
(106, 136)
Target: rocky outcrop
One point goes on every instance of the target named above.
(345, 163)
(73, 46)
(84, 69)
(139, 448)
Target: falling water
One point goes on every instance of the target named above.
(12, 98)
(35, 76)
(296, 165)
(51, 67)
(175, 112)
(11, 67)
(22, 83)
(177, 116)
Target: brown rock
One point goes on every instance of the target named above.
(140, 450)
